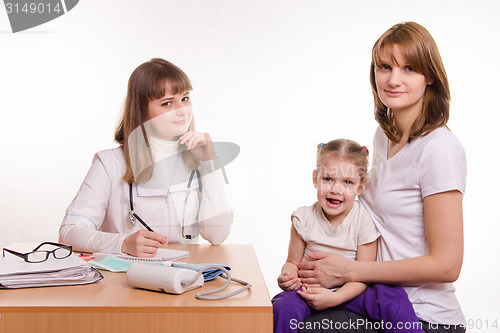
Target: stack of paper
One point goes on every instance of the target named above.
(16, 273)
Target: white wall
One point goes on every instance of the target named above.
(276, 77)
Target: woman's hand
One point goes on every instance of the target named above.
(287, 281)
(319, 298)
(200, 144)
(143, 243)
(327, 269)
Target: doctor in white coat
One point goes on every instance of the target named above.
(163, 174)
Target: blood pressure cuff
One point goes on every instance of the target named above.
(208, 275)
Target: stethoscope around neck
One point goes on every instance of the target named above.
(135, 217)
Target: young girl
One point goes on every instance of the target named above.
(336, 223)
(162, 174)
(415, 189)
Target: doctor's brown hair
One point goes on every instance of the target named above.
(147, 82)
(420, 52)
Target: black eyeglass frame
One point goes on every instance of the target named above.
(47, 253)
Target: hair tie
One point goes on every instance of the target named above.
(321, 145)
(364, 148)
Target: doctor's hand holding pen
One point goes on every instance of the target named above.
(143, 243)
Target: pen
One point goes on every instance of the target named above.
(134, 216)
(145, 225)
(142, 222)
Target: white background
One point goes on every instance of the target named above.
(275, 77)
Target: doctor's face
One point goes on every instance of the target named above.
(170, 115)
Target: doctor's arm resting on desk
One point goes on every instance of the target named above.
(91, 223)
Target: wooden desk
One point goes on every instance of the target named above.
(112, 306)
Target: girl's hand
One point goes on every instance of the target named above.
(143, 243)
(327, 269)
(319, 298)
(287, 281)
(200, 144)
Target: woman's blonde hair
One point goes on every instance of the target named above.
(147, 82)
(347, 150)
(420, 52)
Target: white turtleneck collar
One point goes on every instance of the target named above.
(163, 148)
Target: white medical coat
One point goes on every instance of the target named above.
(98, 218)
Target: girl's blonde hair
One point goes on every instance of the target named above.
(147, 82)
(347, 150)
(420, 51)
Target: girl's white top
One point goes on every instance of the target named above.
(313, 227)
(98, 218)
(394, 197)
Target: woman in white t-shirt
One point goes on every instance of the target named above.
(160, 185)
(415, 187)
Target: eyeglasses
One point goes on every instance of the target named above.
(36, 256)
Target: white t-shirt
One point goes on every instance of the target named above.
(394, 197)
(313, 227)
